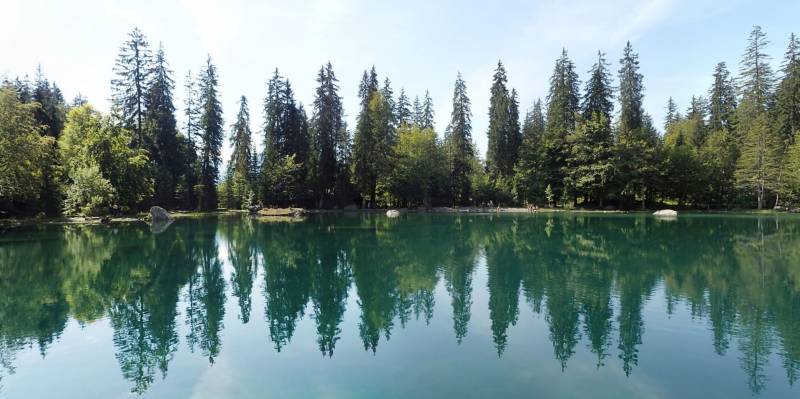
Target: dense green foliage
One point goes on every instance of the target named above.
(734, 146)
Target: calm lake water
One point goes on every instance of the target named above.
(430, 305)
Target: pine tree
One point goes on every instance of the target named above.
(373, 141)
(530, 178)
(697, 114)
(187, 193)
(161, 131)
(758, 167)
(562, 109)
(388, 95)
(240, 165)
(504, 141)
(599, 92)
(458, 142)
(756, 78)
(672, 114)
(722, 96)
(327, 122)
(787, 96)
(636, 143)
(129, 88)
(589, 161)
(403, 109)
(426, 122)
(630, 91)
(286, 147)
(211, 133)
(417, 112)
(51, 114)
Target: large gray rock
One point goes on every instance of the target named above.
(392, 213)
(159, 215)
(666, 213)
(351, 207)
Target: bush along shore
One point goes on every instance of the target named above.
(590, 144)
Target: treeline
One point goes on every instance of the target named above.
(590, 147)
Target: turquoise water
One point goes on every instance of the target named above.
(427, 305)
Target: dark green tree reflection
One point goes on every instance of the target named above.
(589, 278)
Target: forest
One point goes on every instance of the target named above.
(591, 147)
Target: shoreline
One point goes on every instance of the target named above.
(143, 217)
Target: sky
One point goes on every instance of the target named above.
(419, 45)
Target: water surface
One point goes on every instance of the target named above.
(428, 305)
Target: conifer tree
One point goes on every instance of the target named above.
(630, 92)
(161, 131)
(562, 109)
(186, 192)
(403, 109)
(504, 141)
(417, 112)
(211, 126)
(51, 114)
(240, 165)
(637, 144)
(672, 113)
(758, 167)
(388, 95)
(286, 147)
(722, 96)
(787, 95)
(599, 91)
(530, 178)
(589, 161)
(756, 78)
(426, 122)
(373, 140)
(458, 143)
(129, 87)
(327, 122)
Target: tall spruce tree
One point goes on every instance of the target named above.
(722, 100)
(403, 114)
(631, 91)
(129, 87)
(327, 122)
(161, 129)
(188, 196)
(530, 178)
(286, 144)
(756, 78)
(562, 109)
(426, 122)
(458, 144)
(637, 142)
(758, 167)
(239, 176)
(599, 92)
(211, 133)
(372, 141)
(504, 140)
(51, 114)
(417, 111)
(673, 114)
(787, 95)
(388, 95)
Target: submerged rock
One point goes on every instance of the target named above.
(392, 213)
(666, 213)
(159, 215)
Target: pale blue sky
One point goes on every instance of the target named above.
(419, 44)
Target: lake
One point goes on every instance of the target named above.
(426, 305)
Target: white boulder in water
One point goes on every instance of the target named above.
(666, 213)
(392, 213)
